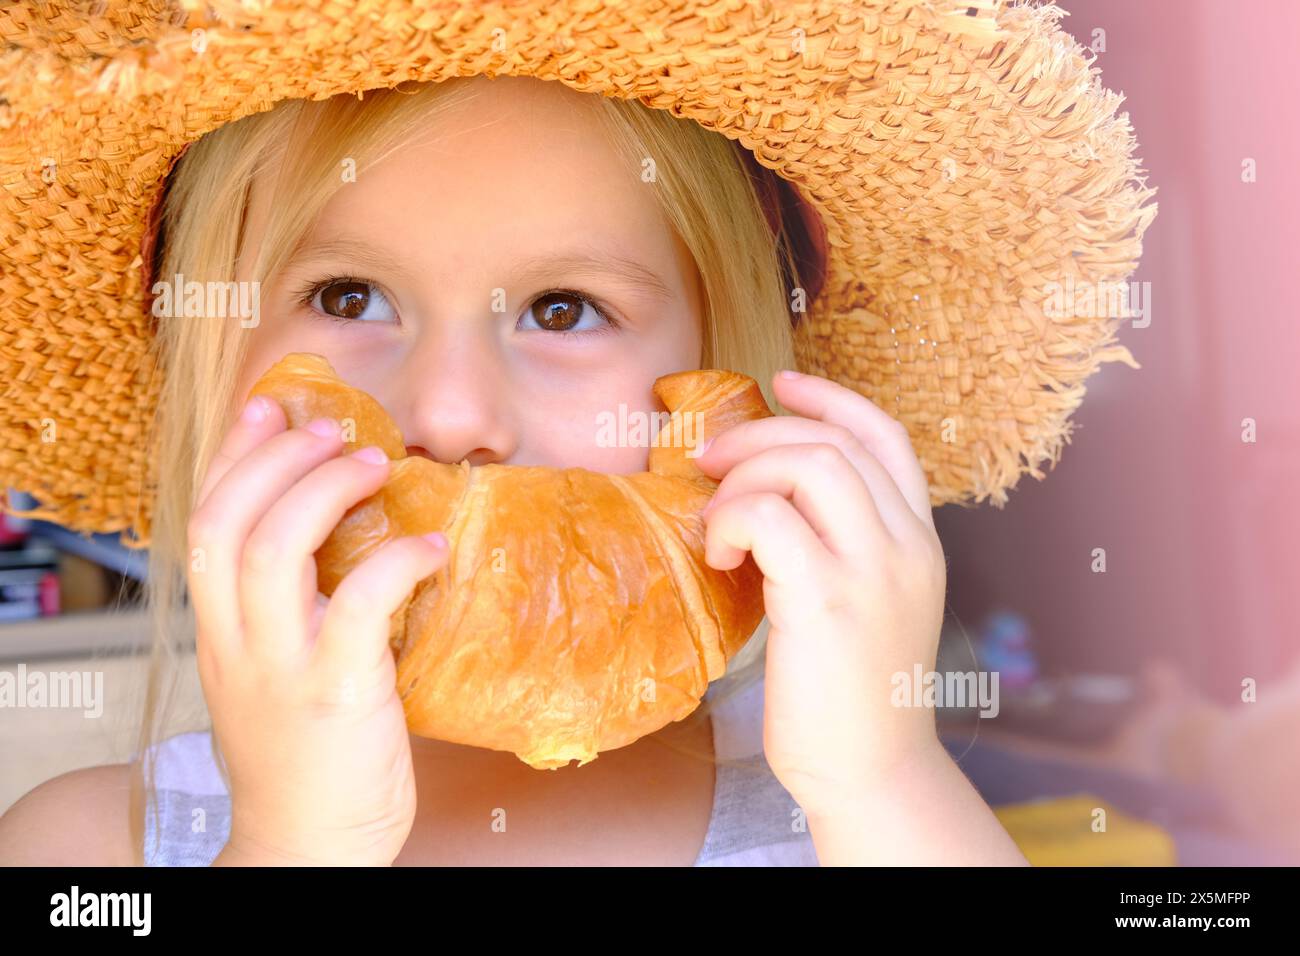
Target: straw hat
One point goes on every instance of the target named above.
(960, 161)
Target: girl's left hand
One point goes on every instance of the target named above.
(835, 509)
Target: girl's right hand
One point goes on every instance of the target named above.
(302, 690)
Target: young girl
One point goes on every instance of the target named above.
(625, 244)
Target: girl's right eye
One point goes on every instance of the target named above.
(348, 299)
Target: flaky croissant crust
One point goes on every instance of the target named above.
(576, 612)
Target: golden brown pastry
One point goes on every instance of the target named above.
(575, 613)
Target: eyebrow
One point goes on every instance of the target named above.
(587, 262)
(346, 248)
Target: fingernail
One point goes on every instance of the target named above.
(371, 454)
(436, 538)
(324, 427)
(790, 373)
(256, 409)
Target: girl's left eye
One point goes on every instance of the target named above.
(566, 313)
(347, 299)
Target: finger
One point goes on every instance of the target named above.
(746, 439)
(219, 526)
(880, 433)
(784, 545)
(354, 632)
(260, 419)
(214, 603)
(825, 488)
(277, 576)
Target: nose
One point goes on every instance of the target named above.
(455, 402)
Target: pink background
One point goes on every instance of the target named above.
(1200, 529)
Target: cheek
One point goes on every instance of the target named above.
(278, 334)
(609, 437)
(267, 343)
(261, 351)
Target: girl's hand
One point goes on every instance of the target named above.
(302, 691)
(835, 509)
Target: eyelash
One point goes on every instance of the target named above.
(307, 293)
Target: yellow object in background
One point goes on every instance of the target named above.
(1084, 830)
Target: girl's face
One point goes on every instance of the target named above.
(496, 286)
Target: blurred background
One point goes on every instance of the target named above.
(1165, 689)
(1142, 667)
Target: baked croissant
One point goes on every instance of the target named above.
(575, 613)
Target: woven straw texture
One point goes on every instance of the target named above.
(962, 156)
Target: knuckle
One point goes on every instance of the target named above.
(351, 599)
(768, 506)
(221, 462)
(938, 566)
(262, 553)
(200, 529)
(825, 455)
(927, 557)
(830, 602)
(841, 435)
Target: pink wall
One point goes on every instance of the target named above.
(1201, 530)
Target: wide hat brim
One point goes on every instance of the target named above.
(964, 160)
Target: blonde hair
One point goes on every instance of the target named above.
(707, 189)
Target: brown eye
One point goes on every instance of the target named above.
(558, 311)
(567, 313)
(347, 300)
